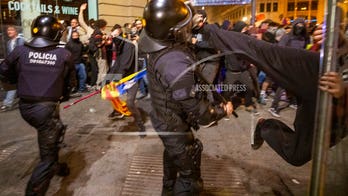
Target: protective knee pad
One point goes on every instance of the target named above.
(194, 151)
(189, 162)
(50, 140)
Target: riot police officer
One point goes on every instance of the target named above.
(176, 109)
(43, 73)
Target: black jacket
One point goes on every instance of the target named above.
(41, 74)
(76, 48)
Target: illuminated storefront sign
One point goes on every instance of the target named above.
(219, 2)
(21, 13)
(42, 8)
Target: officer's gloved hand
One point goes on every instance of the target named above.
(228, 108)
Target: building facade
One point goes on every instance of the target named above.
(22, 12)
(277, 10)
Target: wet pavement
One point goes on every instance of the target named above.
(107, 157)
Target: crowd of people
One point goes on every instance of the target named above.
(264, 60)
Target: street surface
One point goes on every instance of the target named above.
(107, 157)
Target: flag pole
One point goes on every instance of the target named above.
(321, 140)
(82, 98)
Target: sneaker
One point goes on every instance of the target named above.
(5, 108)
(210, 124)
(142, 131)
(252, 110)
(115, 115)
(274, 112)
(257, 140)
(74, 95)
(140, 95)
(293, 106)
(83, 91)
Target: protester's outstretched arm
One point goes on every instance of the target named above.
(285, 65)
(82, 22)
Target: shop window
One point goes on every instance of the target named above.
(302, 6)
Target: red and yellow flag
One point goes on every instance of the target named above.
(113, 90)
(111, 93)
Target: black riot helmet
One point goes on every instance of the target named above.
(164, 19)
(45, 31)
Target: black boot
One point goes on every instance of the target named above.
(167, 191)
(63, 170)
(142, 129)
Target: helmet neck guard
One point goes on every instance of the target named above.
(40, 42)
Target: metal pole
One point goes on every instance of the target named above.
(324, 110)
(253, 12)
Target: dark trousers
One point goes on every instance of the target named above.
(245, 79)
(277, 97)
(295, 146)
(94, 69)
(131, 95)
(44, 117)
(293, 69)
(182, 155)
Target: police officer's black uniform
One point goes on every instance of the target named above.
(43, 73)
(175, 108)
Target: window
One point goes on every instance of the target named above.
(314, 5)
(291, 6)
(275, 7)
(262, 7)
(302, 6)
(269, 6)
